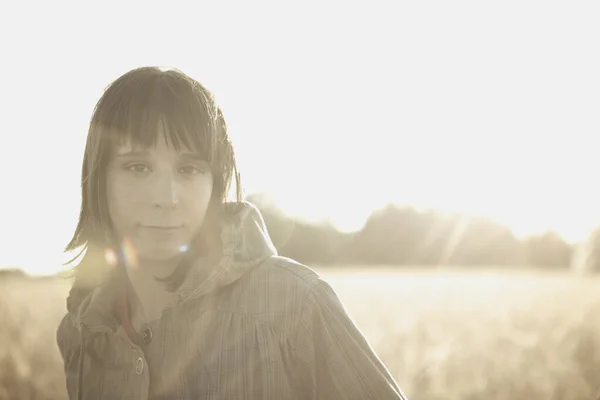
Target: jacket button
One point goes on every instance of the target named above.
(147, 335)
(139, 366)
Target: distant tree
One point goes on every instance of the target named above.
(12, 272)
(549, 250)
(586, 254)
(480, 241)
(391, 236)
(405, 236)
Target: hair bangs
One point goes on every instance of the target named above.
(138, 110)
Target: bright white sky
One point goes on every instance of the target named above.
(336, 108)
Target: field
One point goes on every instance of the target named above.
(450, 335)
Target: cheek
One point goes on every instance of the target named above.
(122, 199)
(122, 190)
(198, 196)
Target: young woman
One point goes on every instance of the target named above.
(180, 293)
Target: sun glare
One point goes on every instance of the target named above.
(507, 131)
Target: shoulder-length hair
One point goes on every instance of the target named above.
(130, 111)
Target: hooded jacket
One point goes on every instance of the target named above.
(255, 326)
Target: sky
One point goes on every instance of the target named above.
(335, 108)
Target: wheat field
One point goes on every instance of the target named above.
(443, 335)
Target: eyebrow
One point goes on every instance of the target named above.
(144, 153)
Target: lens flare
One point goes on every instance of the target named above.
(111, 257)
(129, 254)
(183, 248)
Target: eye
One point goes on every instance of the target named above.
(190, 170)
(195, 168)
(138, 168)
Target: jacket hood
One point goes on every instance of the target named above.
(245, 244)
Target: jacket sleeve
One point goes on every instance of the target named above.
(334, 360)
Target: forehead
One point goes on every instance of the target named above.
(161, 139)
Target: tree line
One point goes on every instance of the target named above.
(403, 236)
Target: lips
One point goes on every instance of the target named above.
(163, 229)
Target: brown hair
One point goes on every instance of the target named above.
(129, 111)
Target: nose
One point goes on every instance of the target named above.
(166, 194)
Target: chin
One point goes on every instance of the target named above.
(162, 251)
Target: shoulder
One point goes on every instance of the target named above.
(296, 300)
(277, 287)
(280, 290)
(285, 274)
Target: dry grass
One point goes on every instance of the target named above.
(30, 364)
(443, 336)
(481, 335)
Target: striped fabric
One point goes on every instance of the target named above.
(259, 326)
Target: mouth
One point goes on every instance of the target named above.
(162, 228)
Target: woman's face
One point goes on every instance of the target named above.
(157, 198)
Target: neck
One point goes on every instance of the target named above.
(148, 297)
